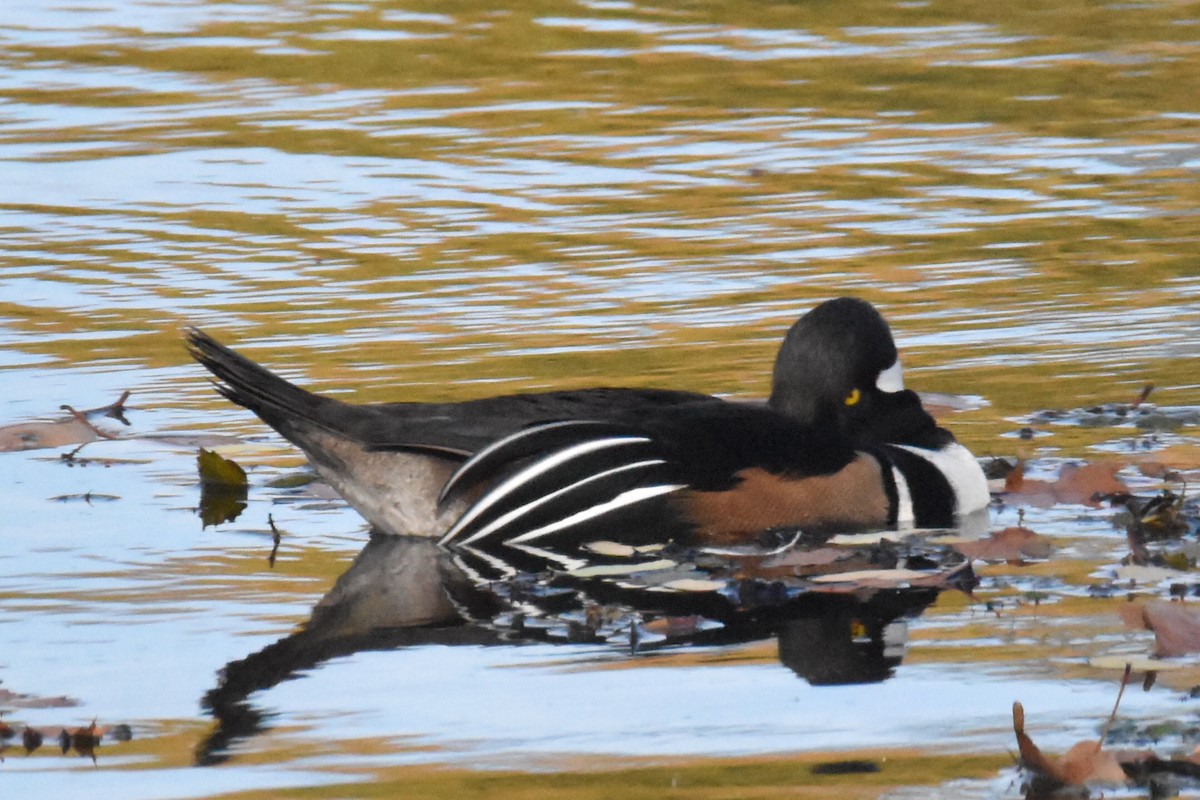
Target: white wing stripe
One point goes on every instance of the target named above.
(626, 498)
(492, 496)
(507, 517)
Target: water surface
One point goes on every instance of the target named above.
(403, 200)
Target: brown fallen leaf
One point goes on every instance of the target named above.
(1081, 483)
(1156, 469)
(1028, 491)
(1075, 484)
(799, 557)
(959, 576)
(73, 429)
(1176, 629)
(874, 577)
(1013, 544)
(804, 562)
(1085, 762)
(19, 700)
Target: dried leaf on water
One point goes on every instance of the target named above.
(695, 585)
(1084, 484)
(86, 497)
(873, 577)
(19, 700)
(1086, 762)
(602, 570)
(886, 579)
(1176, 629)
(1013, 544)
(76, 428)
(800, 557)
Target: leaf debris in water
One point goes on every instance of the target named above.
(87, 497)
(216, 469)
(275, 539)
(223, 488)
(75, 429)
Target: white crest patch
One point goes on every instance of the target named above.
(891, 379)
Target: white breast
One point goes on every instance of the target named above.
(963, 473)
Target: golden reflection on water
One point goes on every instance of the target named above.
(446, 200)
(488, 185)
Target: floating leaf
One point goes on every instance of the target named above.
(618, 550)
(868, 539)
(88, 497)
(622, 569)
(1085, 762)
(38, 435)
(223, 488)
(1176, 629)
(294, 480)
(874, 577)
(215, 469)
(19, 700)
(1076, 484)
(799, 557)
(1012, 544)
(695, 585)
(74, 429)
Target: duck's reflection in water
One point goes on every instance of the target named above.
(403, 592)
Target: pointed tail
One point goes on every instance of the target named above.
(276, 401)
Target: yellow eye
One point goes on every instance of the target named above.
(853, 398)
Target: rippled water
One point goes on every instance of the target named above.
(441, 201)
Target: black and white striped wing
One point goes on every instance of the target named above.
(570, 475)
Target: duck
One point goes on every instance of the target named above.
(840, 445)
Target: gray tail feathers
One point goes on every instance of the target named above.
(279, 403)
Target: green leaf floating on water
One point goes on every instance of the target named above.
(220, 471)
(223, 488)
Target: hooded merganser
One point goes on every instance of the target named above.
(839, 445)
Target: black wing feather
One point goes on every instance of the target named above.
(601, 474)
